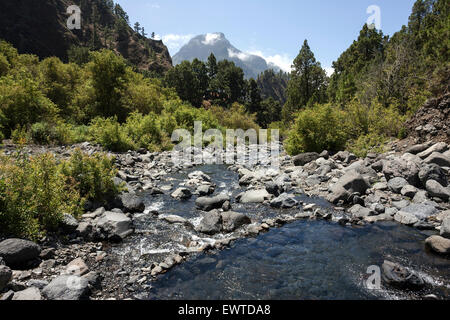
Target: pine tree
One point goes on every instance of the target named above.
(308, 82)
(137, 27)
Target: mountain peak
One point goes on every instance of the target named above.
(201, 47)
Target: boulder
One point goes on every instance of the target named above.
(175, 219)
(68, 223)
(211, 203)
(406, 218)
(211, 223)
(305, 158)
(17, 253)
(132, 203)
(205, 190)
(435, 189)
(28, 294)
(438, 147)
(67, 287)
(398, 276)
(432, 172)
(114, 225)
(417, 148)
(284, 201)
(351, 182)
(359, 212)
(274, 188)
(396, 184)
(254, 196)
(77, 267)
(445, 227)
(182, 194)
(199, 175)
(402, 168)
(438, 244)
(421, 211)
(5, 276)
(409, 191)
(439, 159)
(234, 220)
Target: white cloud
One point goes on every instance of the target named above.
(155, 6)
(329, 71)
(211, 38)
(240, 55)
(283, 61)
(174, 42)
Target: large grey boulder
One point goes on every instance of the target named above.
(351, 182)
(182, 194)
(415, 149)
(432, 172)
(132, 203)
(17, 253)
(254, 196)
(67, 287)
(114, 225)
(5, 276)
(199, 175)
(435, 189)
(445, 227)
(406, 218)
(284, 201)
(211, 203)
(211, 223)
(438, 244)
(396, 184)
(401, 277)
(234, 220)
(305, 158)
(439, 159)
(205, 190)
(438, 147)
(402, 168)
(414, 213)
(29, 294)
(360, 212)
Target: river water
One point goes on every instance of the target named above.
(301, 260)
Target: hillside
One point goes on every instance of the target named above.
(202, 46)
(39, 27)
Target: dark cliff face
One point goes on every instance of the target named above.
(40, 27)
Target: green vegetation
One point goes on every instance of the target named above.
(35, 192)
(378, 83)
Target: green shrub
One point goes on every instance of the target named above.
(41, 133)
(20, 135)
(93, 175)
(367, 143)
(111, 135)
(318, 128)
(34, 194)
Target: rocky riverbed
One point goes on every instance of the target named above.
(173, 213)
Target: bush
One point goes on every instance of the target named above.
(111, 135)
(93, 175)
(367, 143)
(34, 194)
(20, 135)
(41, 133)
(318, 128)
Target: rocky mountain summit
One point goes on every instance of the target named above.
(202, 46)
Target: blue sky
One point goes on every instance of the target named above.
(274, 29)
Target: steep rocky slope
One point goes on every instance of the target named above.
(39, 27)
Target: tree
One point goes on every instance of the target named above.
(109, 79)
(190, 80)
(137, 27)
(143, 32)
(308, 83)
(253, 98)
(229, 84)
(211, 65)
(121, 13)
(153, 35)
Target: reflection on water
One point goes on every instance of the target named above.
(305, 260)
